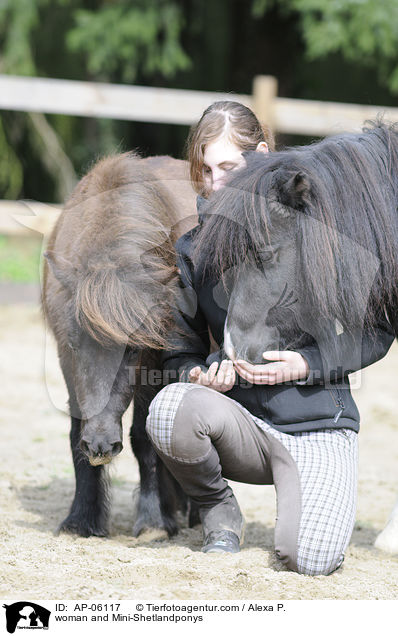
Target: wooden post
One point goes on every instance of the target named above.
(265, 90)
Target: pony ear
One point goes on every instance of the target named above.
(295, 191)
(64, 271)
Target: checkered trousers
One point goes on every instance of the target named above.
(326, 462)
(327, 465)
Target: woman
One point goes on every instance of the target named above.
(208, 426)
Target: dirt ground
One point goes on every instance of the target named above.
(37, 483)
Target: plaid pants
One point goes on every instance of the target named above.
(315, 473)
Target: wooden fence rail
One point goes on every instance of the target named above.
(177, 106)
(168, 106)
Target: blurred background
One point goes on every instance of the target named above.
(345, 51)
(339, 51)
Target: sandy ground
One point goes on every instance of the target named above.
(37, 483)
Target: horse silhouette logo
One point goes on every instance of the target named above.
(26, 615)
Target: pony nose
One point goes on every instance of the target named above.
(100, 448)
(254, 351)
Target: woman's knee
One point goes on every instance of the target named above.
(322, 568)
(174, 422)
(314, 563)
(162, 410)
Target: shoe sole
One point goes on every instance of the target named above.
(220, 551)
(216, 550)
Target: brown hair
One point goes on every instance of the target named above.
(123, 279)
(233, 119)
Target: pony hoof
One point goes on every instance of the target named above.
(71, 525)
(169, 529)
(147, 535)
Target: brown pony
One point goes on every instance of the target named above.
(110, 283)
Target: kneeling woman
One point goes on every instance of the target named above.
(206, 427)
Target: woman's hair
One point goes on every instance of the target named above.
(232, 119)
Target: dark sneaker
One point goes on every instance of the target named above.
(221, 541)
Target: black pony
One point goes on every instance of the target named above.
(307, 245)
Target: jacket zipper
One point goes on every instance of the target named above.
(340, 404)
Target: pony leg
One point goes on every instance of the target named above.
(387, 540)
(193, 518)
(89, 513)
(186, 504)
(157, 496)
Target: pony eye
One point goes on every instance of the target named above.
(266, 255)
(264, 258)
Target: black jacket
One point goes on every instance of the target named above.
(289, 407)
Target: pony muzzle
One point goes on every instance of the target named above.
(100, 452)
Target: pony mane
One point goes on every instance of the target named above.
(127, 277)
(350, 212)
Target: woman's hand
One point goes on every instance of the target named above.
(287, 366)
(221, 380)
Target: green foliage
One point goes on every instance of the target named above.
(114, 35)
(130, 36)
(261, 6)
(108, 40)
(17, 19)
(363, 31)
